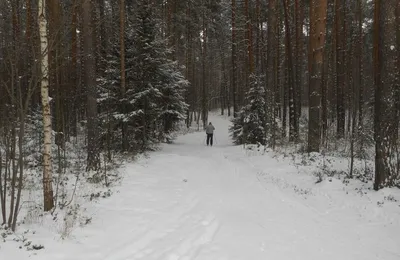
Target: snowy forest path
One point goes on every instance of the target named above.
(224, 206)
(215, 203)
(193, 202)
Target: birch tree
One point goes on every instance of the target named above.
(47, 167)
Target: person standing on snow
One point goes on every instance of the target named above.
(210, 132)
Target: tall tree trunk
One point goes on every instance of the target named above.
(188, 64)
(348, 68)
(16, 22)
(317, 41)
(54, 56)
(360, 68)
(224, 89)
(21, 134)
(93, 157)
(14, 172)
(103, 33)
(340, 67)
(2, 195)
(122, 44)
(47, 166)
(278, 104)
(28, 21)
(285, 98)
(125, 142)
(204, 74)
(397, 84)
(272, 64)
(233, 81)
(353, 80)
(258, 54)
(299, 18)
(291, 84)
(324, 96)
(380, 165)
(249, 38)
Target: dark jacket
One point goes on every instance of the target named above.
(210, 129)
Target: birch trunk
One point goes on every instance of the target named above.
(47, 167)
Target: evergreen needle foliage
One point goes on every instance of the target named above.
(249, 127)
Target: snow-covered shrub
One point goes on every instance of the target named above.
(70, 220)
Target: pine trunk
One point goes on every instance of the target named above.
(340, 65)
(299, 18)
(397, 84)
(233, 83)
(204, 74)
(291, 84)
(317, 42)
(93, 157)
(249, 37)
(360, 67)
(380, 166)
(272, 64)
(125, 142)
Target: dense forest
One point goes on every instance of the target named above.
(321, 75)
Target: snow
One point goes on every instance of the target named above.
(189, 201)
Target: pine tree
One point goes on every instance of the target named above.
(249, 127)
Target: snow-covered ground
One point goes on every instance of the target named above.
(189, 201)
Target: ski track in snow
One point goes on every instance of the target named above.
(193, 202)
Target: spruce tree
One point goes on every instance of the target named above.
(157, 85)
(249, 127)
(154, 99)
(111, 115)
(173, 87)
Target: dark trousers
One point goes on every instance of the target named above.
(210, 139)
